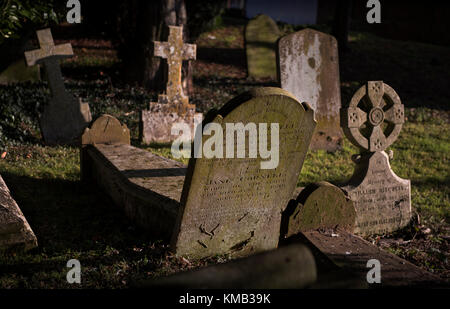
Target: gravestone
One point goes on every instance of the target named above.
(308, 67)
(172, 107)
(64, 117)
(15, 232)
(19, 72)
(261, 35)
(319, 206)
(218, 205)
(372, 122)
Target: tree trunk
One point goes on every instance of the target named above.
(139, 24)
(341, 25)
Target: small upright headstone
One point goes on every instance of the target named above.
(319, 206)
(372, 122)
(172, 107)
(261, 35)
(64, 117)
(309, 69)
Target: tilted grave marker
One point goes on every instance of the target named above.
(372, 122)
(172, 107)
(15, 232)
(64, 117)
(225, 205)
(261, 35)
(308, 67)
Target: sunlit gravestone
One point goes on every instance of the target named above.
(372, 122)
(64, 117)
(223, 203)
(173, 106)
(308, 67)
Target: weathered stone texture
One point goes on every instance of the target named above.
(308, 67)
(232, 205)
(319, 206)
(15, 232)
(173, 106)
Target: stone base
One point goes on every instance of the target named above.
(157, 122)
(63, 122)
(382, 199)
(15, 232)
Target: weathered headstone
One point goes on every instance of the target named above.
(225, 205)
(64, 117)
(319, 206)
(261, 35)
(172, 107)
(309, 69)
(372, 122)
(15, 232)
(18, 72)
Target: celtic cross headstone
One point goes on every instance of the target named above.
(373, 121)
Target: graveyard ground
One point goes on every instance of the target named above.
(72, 220)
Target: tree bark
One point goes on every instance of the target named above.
(139, 24)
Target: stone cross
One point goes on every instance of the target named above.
(175, 52)
(372, 122)
(172, 107)
(65, 117)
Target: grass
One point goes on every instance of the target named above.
(76, 220)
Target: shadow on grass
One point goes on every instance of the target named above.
(72, 216)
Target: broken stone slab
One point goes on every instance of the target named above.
(319, 206)
(289, 267)
(308, 67)
(15, 232)
(261, 35)
(223, 205)
(64, 117)
(372, 122)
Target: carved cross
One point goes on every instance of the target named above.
(49, 54)
(175, 52)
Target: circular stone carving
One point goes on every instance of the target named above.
(376, 116)
(371, 107)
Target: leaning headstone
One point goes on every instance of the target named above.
(64, 117)
(319, 206)
(15, 232)
(261, 35)
(372, 122)
(309, 69)
(218, 205)
(172, 107)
